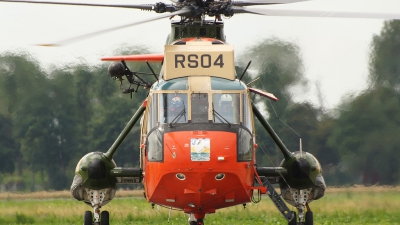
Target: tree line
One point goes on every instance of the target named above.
(50, 119)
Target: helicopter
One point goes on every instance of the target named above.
(198, 141)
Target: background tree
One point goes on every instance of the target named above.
(8, 153)
(366, 137)
(279, 66)
(57, 117)
(385, 57)
(21, 78)
(366, 132)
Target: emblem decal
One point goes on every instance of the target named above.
(200, 149)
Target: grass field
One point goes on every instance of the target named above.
(356, 205)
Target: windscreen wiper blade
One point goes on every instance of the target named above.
(183, 112)
(220, 117)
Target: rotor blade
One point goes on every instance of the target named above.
(312, 13)
(136, 58)
(264, 2)
(133, 6)
(85, 36)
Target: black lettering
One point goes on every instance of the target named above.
(219, 61)
(192, 58)
(206, 61)
(179, 61)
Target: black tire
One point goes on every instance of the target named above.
(309, 218)
(88, 218)
(192, 223)
(294, 220)
(200, 222)
(105, 218)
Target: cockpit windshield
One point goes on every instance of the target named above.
(199, 107)
(228, 106)
(178, 108)
(173, 108)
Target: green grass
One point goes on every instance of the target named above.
(353, 206)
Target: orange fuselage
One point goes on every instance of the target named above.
(199, 185)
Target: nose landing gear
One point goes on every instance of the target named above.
(193, 221)
(104, 218)
(309, 220)
(300, 198)
(96, 218)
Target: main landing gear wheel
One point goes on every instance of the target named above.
(200, 222)
(105, 218)
(309, 218)
(88, 218)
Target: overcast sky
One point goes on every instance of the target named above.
(335, 51)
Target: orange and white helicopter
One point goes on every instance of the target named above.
(197, 124)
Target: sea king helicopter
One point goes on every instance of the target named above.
(198, 141)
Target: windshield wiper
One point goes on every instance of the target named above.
(219, 116)
(183, 112)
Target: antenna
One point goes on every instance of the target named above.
(253, 81)
(248, 64)
(151, 69)
(301, 148)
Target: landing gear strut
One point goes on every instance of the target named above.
(96, 199)
(300, 198)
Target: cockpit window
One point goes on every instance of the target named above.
(228, 106)
(173, 108)
(152, 113)
(199, 107)
(247, 113)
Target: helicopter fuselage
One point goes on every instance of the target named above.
(203, 158)
(198, 132)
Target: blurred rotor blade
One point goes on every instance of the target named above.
(312, 13)
(181, 12)
(133, 6)
(264, 2)
(136, 58)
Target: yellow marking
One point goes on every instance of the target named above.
(199, 59)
